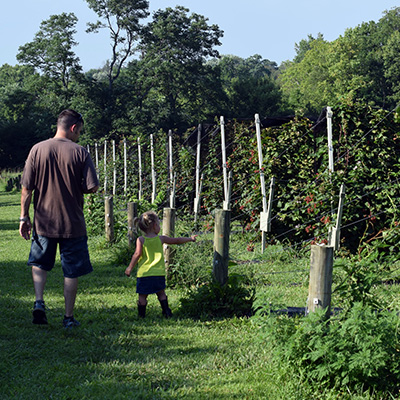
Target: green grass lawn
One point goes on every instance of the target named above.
(113, 354)
(116, 355)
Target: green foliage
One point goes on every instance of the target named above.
(116, 354)
(359, 349)
(191, 264)
(121, 18)
(361, 65)
(51, 50)
(249, 85)
(174, 50)
(212, 300)
(94, 214)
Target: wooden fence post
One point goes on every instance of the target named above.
(227, 201)
(114, 169)
(262, 178)
(221, 245)
(105, 167)
(153, 171)
(109, 218)
(173, 191)
(132, 214)
(196, 206)
(125, 169)
(224, 165)
(329, 115)
(197, 199)
(265, 218)
(334, 232)
(96, 150)
(140, 169)
(168, 230)
(320, 286)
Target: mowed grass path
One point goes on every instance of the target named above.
(114, 354)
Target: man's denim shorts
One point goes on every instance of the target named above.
(74, 255)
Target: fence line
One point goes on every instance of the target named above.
(181, 187)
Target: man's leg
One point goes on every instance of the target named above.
(39, 277)
(70, 290)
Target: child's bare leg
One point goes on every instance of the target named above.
(161, 295)
(143, 299)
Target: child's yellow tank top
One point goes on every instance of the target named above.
(151, 263)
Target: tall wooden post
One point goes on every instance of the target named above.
(105, 167)
(140, 169)
(227, 201)
(329, 115)
(171, 172)
(173, 191)
(334, 232)
(221, 245)
(198, 199)
(109, 218)
(262, 178)
(125, 169)
(198, 181)
(168, 230)
(153, 171)
(114, 169)
(224, 165)
(132, 214)
(170, 162)
(320, 286)
(97, 158)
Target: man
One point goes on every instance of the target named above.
(58, 172)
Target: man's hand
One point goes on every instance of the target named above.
(25, 228)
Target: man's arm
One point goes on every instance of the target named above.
(25, 225)
(92, 190)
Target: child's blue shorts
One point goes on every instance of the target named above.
(150, 284)
(74, 255)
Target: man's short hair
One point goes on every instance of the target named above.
(67, 118)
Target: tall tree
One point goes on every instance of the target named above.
(361, 65)
(304, 84)
(24, 119)
(122, 19)
(175, 49)
(304, 45)
(249, 85)
(51, 52)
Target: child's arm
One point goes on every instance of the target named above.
(178, 240)
(136, 255)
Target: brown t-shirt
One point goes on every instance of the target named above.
(59, 172)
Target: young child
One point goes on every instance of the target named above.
(149, 256)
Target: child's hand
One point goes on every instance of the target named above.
(194, 238)
(128, 271)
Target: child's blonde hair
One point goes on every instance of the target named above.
(146, 220)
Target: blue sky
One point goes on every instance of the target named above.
(265, 27)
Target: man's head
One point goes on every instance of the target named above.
(70, 122)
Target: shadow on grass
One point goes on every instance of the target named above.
(9, 225)
(113, 354)
(9, 199)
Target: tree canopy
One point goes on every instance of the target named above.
(51, 50)
(165, 72)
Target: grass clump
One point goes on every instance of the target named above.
(213, 300)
